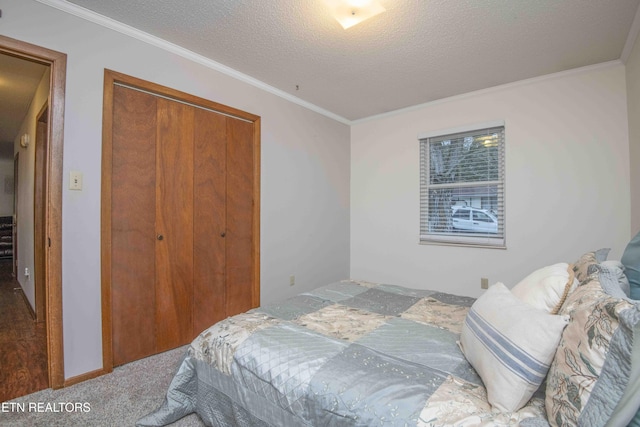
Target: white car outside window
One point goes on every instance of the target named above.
(474, 219)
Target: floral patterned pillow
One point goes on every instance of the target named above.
(592, 363)
(586, 265)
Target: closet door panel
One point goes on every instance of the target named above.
(133, 229)
(174, 224)
(239, 215)
(209, 219)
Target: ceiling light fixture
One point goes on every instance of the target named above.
(351, 12)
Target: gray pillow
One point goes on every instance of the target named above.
(616, 270)
(631, 261)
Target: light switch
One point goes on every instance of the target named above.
(75, 180)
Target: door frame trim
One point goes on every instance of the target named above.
(112, 78)
(39, 208)
(53, 227)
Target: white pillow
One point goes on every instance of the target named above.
(511, 345)
(545, 288)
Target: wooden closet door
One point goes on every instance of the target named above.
(174, 224)
(152, 224)
(183, 220)
(133, 233)
(209, 219)
(240, 205)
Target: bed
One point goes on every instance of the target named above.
(556, 349)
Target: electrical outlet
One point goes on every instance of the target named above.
(484, 283)
(292, 280)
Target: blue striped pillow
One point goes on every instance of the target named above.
(511, 345)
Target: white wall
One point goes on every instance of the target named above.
(567, 182)
(633, 102)
(305, 167)
(26, 182)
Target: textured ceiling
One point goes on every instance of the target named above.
(19, 80)
(415, 52)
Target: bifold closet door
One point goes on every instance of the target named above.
(153, 224)
(174, 224)
(133, 229)
(182, 206)
(239, 207)
(209, 219)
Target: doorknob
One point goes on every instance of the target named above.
(160, 237)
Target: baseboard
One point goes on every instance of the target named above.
(26, 301)
(84, 377)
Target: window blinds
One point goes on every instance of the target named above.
(462, 188)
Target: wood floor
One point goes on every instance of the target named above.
(23, 349)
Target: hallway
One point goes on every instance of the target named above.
(23, 348)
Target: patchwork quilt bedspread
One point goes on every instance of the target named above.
(347, 354)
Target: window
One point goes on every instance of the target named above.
(462, 186)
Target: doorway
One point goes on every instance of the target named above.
(46, 216)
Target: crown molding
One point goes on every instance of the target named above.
(133, 32)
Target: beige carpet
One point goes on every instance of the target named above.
(117, 399)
